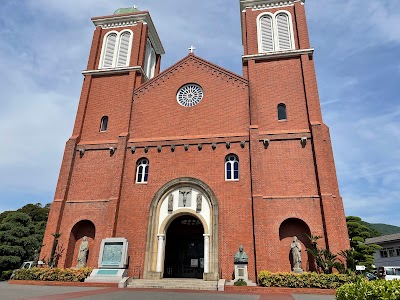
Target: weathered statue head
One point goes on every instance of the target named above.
(84, 238)
(240, 248)
(295, 239)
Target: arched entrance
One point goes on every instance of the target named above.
(184, 248)
(180, 201)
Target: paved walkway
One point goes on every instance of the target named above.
(30, 292)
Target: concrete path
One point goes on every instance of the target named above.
(30, 292)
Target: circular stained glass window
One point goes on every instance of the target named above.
(190, 94)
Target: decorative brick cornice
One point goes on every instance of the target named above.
(115, 21)
(279, 54)
(263, 4)
(212, 69)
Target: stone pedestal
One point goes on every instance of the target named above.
(242, 273)
(298, 270)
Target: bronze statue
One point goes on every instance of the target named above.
(241, 256)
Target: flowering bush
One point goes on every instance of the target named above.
(53, 274)
(305, 280)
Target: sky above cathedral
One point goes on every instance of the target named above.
(45, 45)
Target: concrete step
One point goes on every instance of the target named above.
(180, 284)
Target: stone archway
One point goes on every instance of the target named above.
(182, 197)
(78, 231)
(295, 227)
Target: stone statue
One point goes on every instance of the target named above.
(296, 252)
(83, 251)
(198, 202)
(241, 256)
(170, 203)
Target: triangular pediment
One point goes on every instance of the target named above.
(202, 65)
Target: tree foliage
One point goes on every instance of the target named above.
(358, 232)
(21, 233)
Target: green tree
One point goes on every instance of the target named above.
(358, 232)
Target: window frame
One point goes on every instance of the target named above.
(285, 107)
(144, 174)
(230, 164)
(116, 50)
(104, 118)
(275, 36)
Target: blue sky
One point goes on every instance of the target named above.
(45, 45)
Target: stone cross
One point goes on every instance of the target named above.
(191, 49)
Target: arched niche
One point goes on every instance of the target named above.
(287, 230)
(161, 216)
(78, 231)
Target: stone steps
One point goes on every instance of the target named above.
(181, 284)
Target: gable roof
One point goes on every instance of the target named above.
(383, 239)
(204, 64)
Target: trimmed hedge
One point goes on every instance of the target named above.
(305, 280)
(53, 274)
(363, 289)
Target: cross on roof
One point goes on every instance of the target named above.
(191, 49)
(135, 7)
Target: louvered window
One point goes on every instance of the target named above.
(275, 32)
(109, 51)
(150, 60)
(267, 36)
(283, 30)
(123, 52)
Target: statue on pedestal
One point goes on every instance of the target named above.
(83, 251)
(296, 252)
(241, 256)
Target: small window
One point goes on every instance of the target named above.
(384, 253)
(232, 167)
(282, 112)
(391, 252)
(142, 170)
(398, 251)
(104, 124)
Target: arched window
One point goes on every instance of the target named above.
(275, 32)
(231, 167)
(104, 124)
(284, 32)
(267, 33)
(282, 111)
(116, 49)
(142, 170)
(150, 60)
(109, 50)
(123, 51)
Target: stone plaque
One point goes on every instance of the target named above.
(241, 272)
(112, 254)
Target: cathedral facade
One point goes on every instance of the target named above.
(190, 163)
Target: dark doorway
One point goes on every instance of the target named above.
(184, 249)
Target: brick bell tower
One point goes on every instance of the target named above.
(125, 52)
(294, 185)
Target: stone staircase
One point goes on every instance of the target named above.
(172, 284)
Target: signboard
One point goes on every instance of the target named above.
(360, 268)
(194, 263)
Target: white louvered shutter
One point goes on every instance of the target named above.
(147, 60)
(152, 63)
(109, 51)
(284, 34)
(123, 59)
(267, 36)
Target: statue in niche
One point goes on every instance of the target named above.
(241, 256)
(199, 200)
(296, 253)
(83, 251)
(185, 200)
(170, 203)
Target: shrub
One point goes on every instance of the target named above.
(240, 282)
(305, 280)
(53, 274)
(5, 275)
(363, 289)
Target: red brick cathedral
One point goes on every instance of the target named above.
(192, 162)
